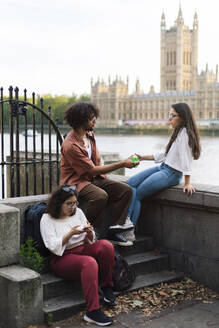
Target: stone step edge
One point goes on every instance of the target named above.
(131, 259)
(144, 257)
(76, 302)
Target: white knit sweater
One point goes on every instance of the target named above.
(53, 231)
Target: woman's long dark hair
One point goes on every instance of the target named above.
(187, 121)
(57, 198)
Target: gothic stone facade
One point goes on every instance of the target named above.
(180, 82)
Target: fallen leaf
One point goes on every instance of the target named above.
(162, 293)
(136, 303)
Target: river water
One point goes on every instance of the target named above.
(205, 169)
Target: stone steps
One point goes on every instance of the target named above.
(64, 298)
(64, 306)
(142, 262)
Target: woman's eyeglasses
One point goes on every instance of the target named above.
(71, 204)
(69, 188)
(171, 115)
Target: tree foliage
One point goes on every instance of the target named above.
(57, 103)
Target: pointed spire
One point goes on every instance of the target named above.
(91, 82)
(163, 21)
(206, 68)
(195, 21)
(216, 72)
(137, 87)
(180, 20)
(109, 80)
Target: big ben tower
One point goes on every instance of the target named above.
(179, 55)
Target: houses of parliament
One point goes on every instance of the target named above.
(179, 82)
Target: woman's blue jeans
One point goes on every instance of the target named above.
(149, 182)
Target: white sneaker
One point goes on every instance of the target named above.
(129, 235)
(126, 226)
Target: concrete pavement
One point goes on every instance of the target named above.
(194, 314)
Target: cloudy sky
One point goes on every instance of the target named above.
(56, 46)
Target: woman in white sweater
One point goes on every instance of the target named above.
(176, 162)
(75, 253)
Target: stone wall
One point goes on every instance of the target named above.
(188, 229)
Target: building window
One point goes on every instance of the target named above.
(210, 115)
(200, 115)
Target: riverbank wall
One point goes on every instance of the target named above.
(133, 130)
(143, 130)
(184, 227)
(158, 131)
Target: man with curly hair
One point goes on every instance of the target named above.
(81, 166)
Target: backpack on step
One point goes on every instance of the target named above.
(124, 275)
(33, 215)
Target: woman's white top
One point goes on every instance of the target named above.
(179, 156)
(53, 230)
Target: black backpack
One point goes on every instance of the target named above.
(33, 215)
(124, 275)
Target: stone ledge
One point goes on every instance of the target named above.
(21, 203)
(205, 195)
(21, 297)
(9, 235)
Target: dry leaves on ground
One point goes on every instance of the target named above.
(154, 299)
(149, 300)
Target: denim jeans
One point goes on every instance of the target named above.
(149, 182)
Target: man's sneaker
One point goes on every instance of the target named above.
(98, 317)
(109, 297)
(118, 239)
(126, 226)
(129, 235)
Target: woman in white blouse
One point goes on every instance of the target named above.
(176, 161)
(75, 255)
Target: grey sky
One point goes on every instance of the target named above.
(56, 46)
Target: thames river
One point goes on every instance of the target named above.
(205, 169)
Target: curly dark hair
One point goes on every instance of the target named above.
(188, 121)
(58, 197)
(79, 113)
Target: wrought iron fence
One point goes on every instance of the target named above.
(30, 146)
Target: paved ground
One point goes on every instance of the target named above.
(193, 314)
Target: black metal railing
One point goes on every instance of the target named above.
(30, 146)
